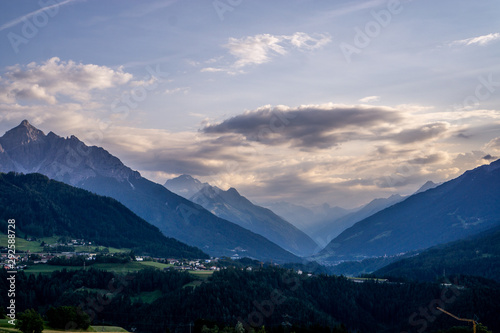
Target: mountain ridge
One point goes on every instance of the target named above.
(234, 207)
(455, 209)
(43, 207)
(93, 168)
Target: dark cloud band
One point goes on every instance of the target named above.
(307, 126)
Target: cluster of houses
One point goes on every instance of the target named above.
(194, 265)
(64, 248)
(23, 259)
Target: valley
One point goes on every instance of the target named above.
(90, 219)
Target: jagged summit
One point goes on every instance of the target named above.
(185, 185)
(233, 191)
(188, 178)
(27, 149)
(67, 159)
(22, 134)
(427, 186)
(234, 207)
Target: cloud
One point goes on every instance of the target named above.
(260, 49)
(421, 133)
(370, 99)
(480, 40)
(47, 81)
(182, 90)
(494, 144)
(34, 92)
(489, 157)
(429, 159)
(36, 12)
(254, 49)
(213, 70)
(308, 126)
(362, 6)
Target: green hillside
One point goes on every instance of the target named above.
(479, 256)
(44, 207)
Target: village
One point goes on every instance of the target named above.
(84, 253)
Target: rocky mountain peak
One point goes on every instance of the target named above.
(184, 185)
(22, 134)
(232, 191)
(427, 186)
(28, 150)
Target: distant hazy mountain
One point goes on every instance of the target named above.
(232, 206)
(27, 149)
(307, 219)
(427, 186)
(331, 228)
(185, 186)
(456, 209)
(45, 208)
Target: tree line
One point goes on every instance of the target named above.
(274, 298)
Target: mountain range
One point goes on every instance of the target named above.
(234, 207)
(329, 228)
(453, 210)
(308, 219)
(434, 215)
(323, 223)
(26, 149)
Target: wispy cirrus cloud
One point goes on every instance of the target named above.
(352, 8)
(370, 99)
(260, 49)
(20, 19)
(479, 40)
(494, 144)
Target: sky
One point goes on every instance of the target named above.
(303, 101)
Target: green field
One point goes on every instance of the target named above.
(24, 245)
(155, 264)
(202, 275)
(133, 266)
(34, 246)
(47, 269)
(4, 323)
(91, 249)
(6, 327)
(193, 284)
(107, 329)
